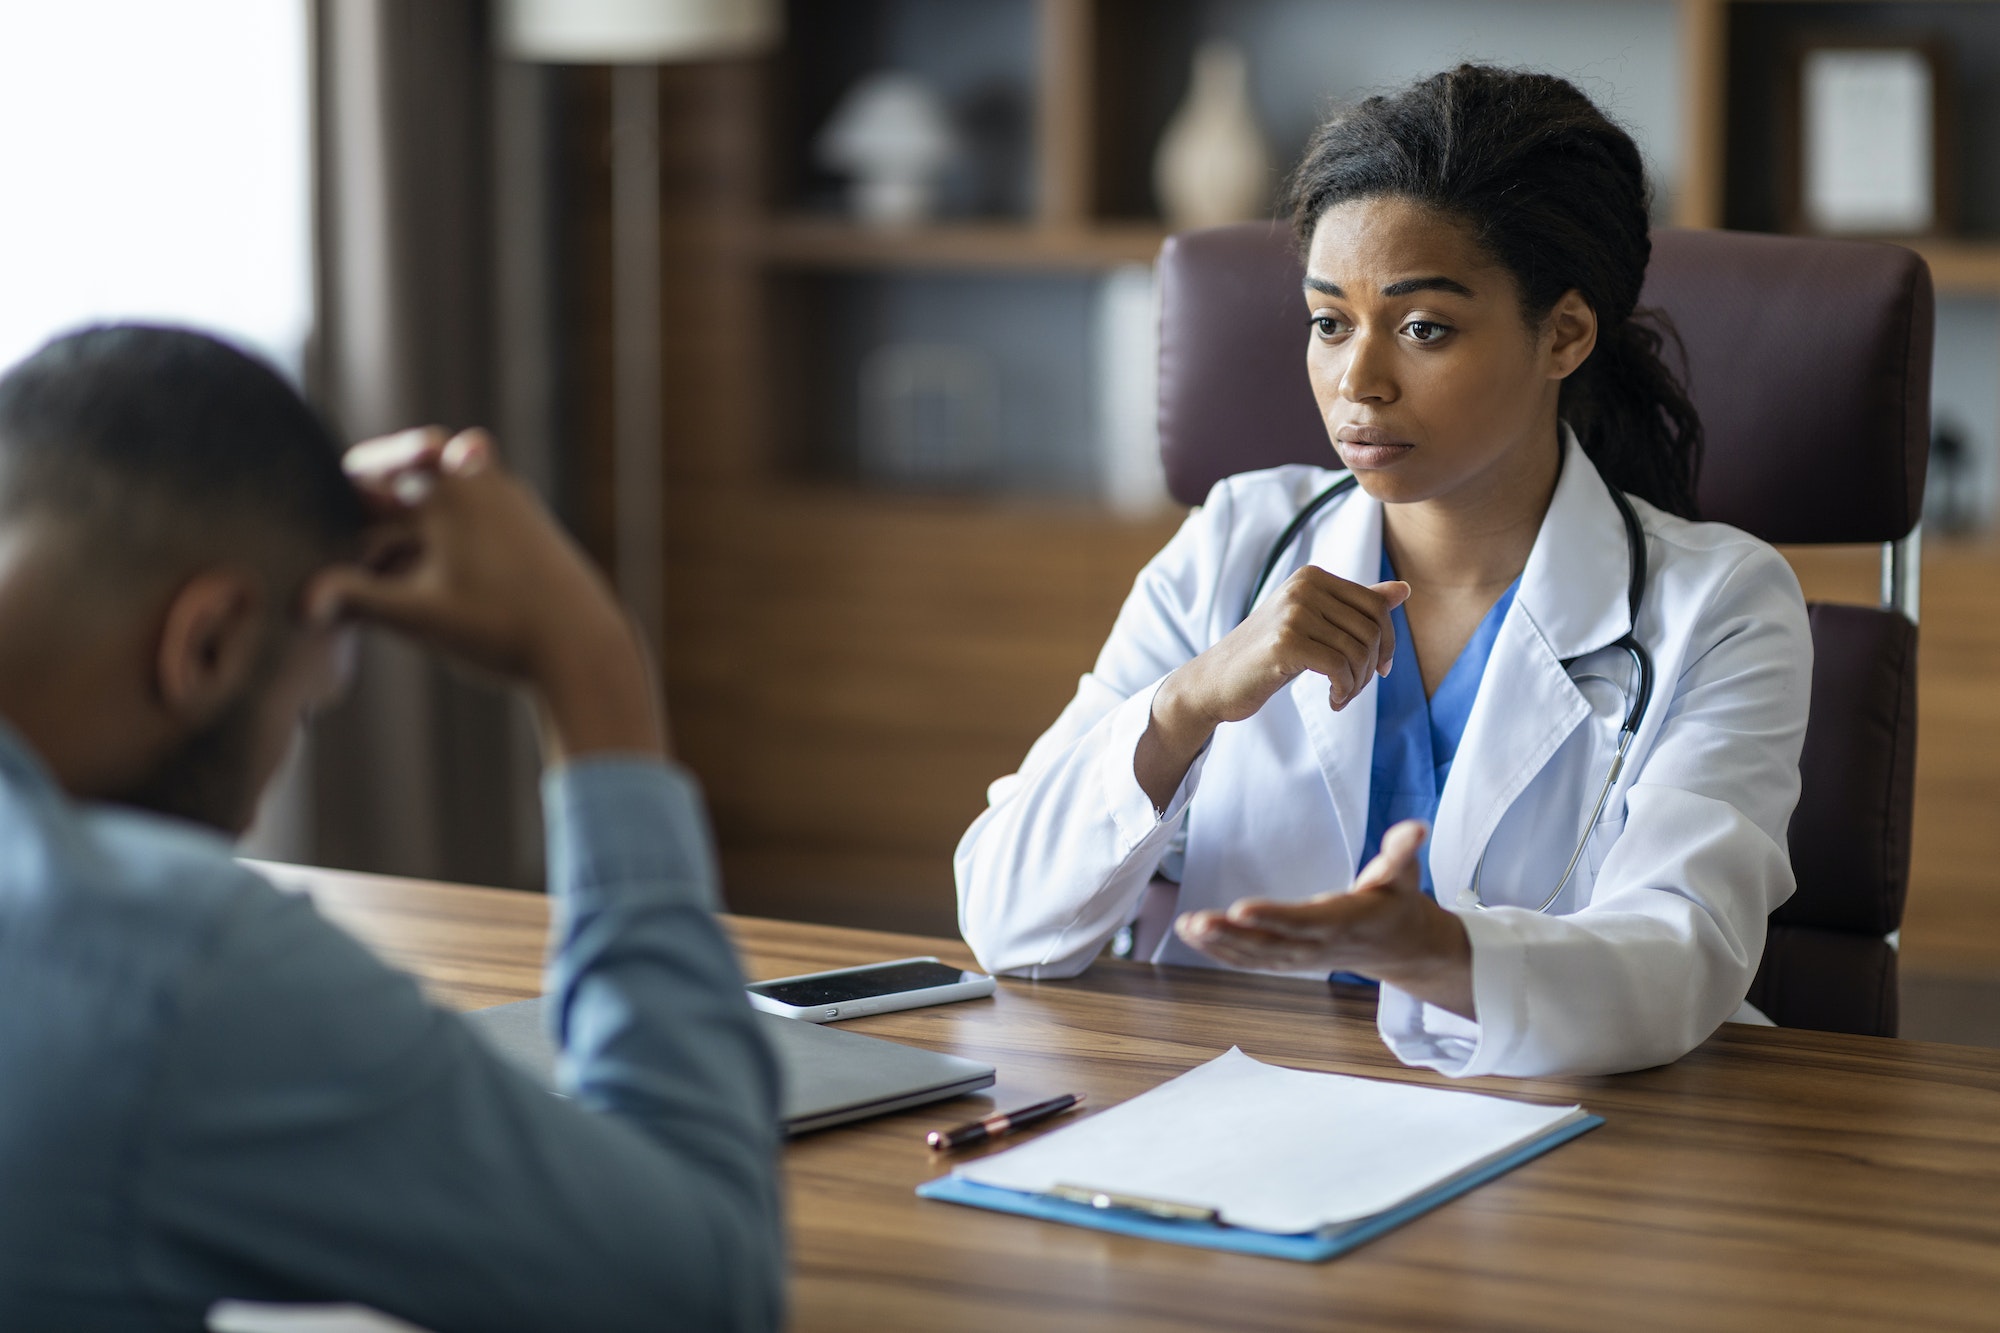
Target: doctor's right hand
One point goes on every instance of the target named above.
(1315, 621)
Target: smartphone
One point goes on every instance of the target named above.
(878, 988)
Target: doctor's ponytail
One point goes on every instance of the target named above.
(1556, 194)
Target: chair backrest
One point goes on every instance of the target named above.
(1809, 361)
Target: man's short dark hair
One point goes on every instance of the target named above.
(169, 447)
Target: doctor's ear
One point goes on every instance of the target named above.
(210, 643)
(1569, 334)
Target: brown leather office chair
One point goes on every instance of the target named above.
(1810, 363)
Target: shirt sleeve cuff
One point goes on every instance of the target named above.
(1131, 809)
(1424, 1035)
(621, 825)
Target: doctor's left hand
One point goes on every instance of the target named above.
(1383, 927)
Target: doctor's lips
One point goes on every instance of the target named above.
(1369, 446)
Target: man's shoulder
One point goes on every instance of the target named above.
(104, 919)
(236, 933)
(159, 866)
(102, 888)
(148, 848)
(177, 955)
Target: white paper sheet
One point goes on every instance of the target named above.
(1272, 1149)
(257, 1317)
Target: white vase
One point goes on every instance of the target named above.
(1213, 167)
(892, 134)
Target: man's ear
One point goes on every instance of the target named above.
(1572, 330)
(210, 644)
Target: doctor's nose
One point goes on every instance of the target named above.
(1366, 376)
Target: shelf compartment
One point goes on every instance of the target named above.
(828, 243)
(1960, 267)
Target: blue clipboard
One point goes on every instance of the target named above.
(1306, 1247)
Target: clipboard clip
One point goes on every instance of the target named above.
(1165, 1209)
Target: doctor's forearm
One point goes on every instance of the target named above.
(1173, 737)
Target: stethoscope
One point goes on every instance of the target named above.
(1642, 661)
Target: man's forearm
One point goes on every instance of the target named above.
(595, 693)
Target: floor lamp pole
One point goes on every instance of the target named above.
(637, 410)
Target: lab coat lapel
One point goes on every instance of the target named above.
(1572, 601)
(1348, 544)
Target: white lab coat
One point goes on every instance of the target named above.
(1655, 940)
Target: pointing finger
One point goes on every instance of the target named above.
(1395, 592)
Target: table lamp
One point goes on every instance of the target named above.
(635, 37)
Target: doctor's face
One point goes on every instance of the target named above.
(1432, 382)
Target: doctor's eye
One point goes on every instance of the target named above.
(1329, 326)
(1427, 330)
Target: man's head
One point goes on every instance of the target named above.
(164, 502)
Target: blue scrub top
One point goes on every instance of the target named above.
(1416, 738)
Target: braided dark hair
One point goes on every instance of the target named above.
(1556, 194)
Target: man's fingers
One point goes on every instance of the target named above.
(391, 545)
(373, 461)
(344, 591)
(402, 472)
(467, 453)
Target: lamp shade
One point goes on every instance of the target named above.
(617, 32)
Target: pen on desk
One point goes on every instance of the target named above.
(1003, 1122)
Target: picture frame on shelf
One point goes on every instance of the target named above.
(1867, 143)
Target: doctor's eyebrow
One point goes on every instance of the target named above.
(1407, 286)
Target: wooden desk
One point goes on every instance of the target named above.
(1772, 1179)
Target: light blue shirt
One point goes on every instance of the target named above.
(211, 1092)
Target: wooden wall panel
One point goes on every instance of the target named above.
(850, 671)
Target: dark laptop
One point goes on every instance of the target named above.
(830, 1076)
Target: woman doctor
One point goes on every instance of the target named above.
(1403, 762)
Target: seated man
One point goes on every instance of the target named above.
(209, 1091)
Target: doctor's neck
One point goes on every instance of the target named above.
(1477, 535)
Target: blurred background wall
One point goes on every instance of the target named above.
(899, 319)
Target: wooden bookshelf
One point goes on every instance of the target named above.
(1958, 267)
(833, 244)
(848, 668)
